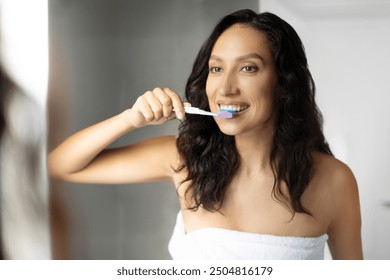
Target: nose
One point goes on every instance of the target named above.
(228, 85)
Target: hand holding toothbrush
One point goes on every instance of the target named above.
(161, 105)
(156, 107)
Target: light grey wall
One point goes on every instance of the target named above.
(108, 52)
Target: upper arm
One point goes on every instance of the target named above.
(149, 160)
(345, 228)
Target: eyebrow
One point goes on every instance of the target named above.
(240, 58)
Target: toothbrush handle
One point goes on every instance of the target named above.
(197, 111)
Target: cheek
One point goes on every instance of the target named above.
(263, 98)
(210, 92)
(267, 90)
(209, 87)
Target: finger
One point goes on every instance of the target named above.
(154, 103)
(143, 107)
(165, 101)
(172, 116)
(177, 103)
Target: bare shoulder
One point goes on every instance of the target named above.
(334, 171)
(165, 147)
(333, 183)
(336, 189)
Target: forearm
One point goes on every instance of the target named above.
(77, 151)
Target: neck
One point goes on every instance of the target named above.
(254, 151)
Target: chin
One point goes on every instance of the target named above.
(229, 130)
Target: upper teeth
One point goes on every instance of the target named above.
(236, 108)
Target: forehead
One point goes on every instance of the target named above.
(240, 39)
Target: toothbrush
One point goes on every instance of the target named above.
(224, 114)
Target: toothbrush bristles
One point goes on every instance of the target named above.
(225, 114)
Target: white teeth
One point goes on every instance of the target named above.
(235, 108)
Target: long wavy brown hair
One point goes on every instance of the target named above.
(210, 157)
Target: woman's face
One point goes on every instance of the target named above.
(242, 78)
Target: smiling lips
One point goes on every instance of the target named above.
(235, 108)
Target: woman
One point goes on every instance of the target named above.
(260, 185)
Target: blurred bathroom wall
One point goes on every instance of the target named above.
(347, 44)
(103, 55)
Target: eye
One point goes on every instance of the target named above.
(215, 69)
(249, 68)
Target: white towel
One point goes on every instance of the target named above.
(225, 244)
